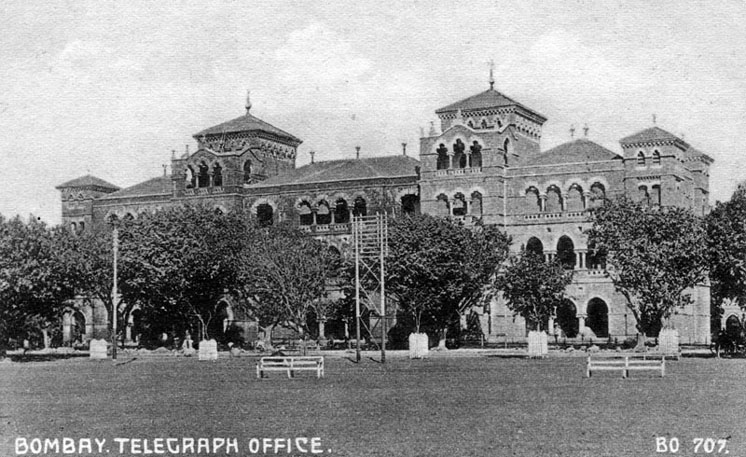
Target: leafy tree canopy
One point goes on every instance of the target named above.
(726, 239)
(533, 288)
(653, 256)
(437, 267)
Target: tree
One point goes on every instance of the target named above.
(285, 278)
(653, 255)
(436, 268)
(33, 282)
(726, 240)
(533, 288)
(177, 263)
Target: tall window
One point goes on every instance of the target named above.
(203, 179)
(306, 215)
(656, 158)
(554, 200)
(247, 171)
(442, 158)
(264, 214)
(533, 204)
(459, 158)
(459, 205)
(476, 205)
(360, 208)
(323, 214)
(535, 246)
(476, 155)
(566, 252)
(217, 175)
(191, 178)
(341, 212)
(640, 158)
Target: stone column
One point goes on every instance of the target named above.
(586, 199)
(468, 160)
(543, 202)
(450, 161)
(314, 217)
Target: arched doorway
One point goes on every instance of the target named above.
(566, 252)
(78, 327)
(598, 317)
(733, 325)
(264, 214)
(410, 204)
(567, 319)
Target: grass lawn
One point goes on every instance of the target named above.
(454, 406)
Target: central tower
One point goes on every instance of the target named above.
(464, 166)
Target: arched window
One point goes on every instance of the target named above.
(81, 227)
(218, 212)
(459, 205)
(323, 213)
(203, 179)
(655, 197)
(656, 157)
(554, 200)
(598, 317)
(113, 219)
(73, 228)
(306, 215)
(506, 147)
(264, 214)
(598, 194)
(566, 252)
(484, 123)
(575, 198)
(533, 204)
(410, 204)
(360, 208)
(640, 158)
(476, 205)
(643, 196)
(535, 246)
(341, 211)
(247, 171)
(444, 208)
(191, 178)
(459, 158)
(442, 158)
(470, 124)
(217, 175)
(476, 155)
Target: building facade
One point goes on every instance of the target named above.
(484, 163)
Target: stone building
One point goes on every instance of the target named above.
(484, 163)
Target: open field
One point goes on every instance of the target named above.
(455, 406)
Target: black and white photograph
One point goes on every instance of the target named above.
(362, 229)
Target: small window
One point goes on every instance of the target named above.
(640, 158)
(656, 158)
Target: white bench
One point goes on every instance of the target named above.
(290, 365)
(624, 365)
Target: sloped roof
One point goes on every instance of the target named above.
(88, 181)
(347, 169)
(247, 123)
(155, 186)
(483, 100)
(580, 150)
(650, 134)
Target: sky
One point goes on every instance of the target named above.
(110, 88)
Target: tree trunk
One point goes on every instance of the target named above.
(267, 339)
(640, 346)
(442, 340)
(45, 337)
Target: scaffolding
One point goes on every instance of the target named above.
(370, 238)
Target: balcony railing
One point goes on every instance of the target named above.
(326, 229)
(458, 171)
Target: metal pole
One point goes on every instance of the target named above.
(356, 239)
(381, 229)
(114, 299)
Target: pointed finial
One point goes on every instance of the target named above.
(422, 132)
(248, 101)
(165, 169)
(585, 130)
(173, 154)
(432, 129)
(357, 150)
(492, 75)
(653, 119)
(312, 154)
(572, 131)
(404, 148)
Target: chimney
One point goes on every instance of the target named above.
(585, 130)
(357, 149)
(404, 148)
(312, 154)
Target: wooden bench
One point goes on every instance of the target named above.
(290, 365)
(625, 365)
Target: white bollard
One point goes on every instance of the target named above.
(98, 349)
(208, 350)
(418, 345)
(537, 344)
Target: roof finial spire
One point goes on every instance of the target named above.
(432, 129)
(165, 169)
(653, 118)
(312, 154)
(492, 75)
(357, 151)
(404, 148)
(585, 130)
(248, 101)
(572, 131)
